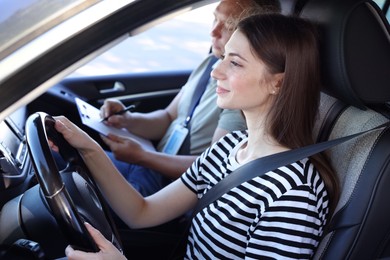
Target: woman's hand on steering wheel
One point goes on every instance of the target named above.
(87, 203)
(107, 249)
(73, 135)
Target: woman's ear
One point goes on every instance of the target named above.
(277, 80)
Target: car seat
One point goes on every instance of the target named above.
(355, 60)
(291, 7)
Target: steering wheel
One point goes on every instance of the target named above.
(84, 202)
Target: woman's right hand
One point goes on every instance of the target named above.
(111, 106)
(74, 135)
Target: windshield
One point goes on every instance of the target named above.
(23, 20)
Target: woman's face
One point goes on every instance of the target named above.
(243, 81)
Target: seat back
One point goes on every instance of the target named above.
(291, 7)
(355, 57)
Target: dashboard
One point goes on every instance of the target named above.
(16, 172)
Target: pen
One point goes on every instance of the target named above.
(129, 108)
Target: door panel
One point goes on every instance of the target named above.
(154, 90)
(150, 90)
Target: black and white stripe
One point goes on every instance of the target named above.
(280, 215)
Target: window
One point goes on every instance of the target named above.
(21, 22)
(384, 5)
(178, 44)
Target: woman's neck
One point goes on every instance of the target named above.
(260, 142)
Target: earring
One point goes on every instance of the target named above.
(273, 92)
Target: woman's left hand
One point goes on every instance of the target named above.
(107, 249)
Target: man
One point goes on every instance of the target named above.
(149, 171)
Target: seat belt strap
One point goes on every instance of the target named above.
(265, 164)
(198, 92)
(199, 89)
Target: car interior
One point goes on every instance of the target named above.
(355, 61)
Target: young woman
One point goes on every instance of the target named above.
(270, 70)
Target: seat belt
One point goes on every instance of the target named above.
(268, 163)
(199, 90)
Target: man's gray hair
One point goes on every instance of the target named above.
(252, 7)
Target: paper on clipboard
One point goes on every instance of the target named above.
(90, 117)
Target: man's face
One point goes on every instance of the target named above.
(225, 15)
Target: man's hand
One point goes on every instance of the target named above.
(111, 106)
(124, 148)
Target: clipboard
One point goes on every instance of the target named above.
(90, 116)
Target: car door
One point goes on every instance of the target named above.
(147, 69)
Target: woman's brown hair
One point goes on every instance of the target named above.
(289, 45)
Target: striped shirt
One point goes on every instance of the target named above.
(280, 215)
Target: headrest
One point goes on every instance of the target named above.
(355, 50)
